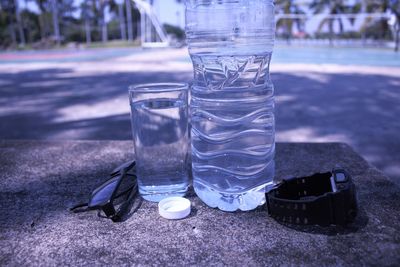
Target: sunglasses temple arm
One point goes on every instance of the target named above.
(82, 207)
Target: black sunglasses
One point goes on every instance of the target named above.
(114, 197)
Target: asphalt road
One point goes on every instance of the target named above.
(358, 105)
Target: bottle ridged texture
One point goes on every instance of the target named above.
(232, 127)
(232, 105)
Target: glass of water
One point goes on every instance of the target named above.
(159, 116)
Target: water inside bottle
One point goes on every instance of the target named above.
(233, 129)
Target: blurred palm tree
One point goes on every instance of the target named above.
(7, 15)
(334, 7)
(44, 17)
(128, 5)
(56, 25)
(19, 23)
(12, 15)
(117, 7)
(87, 15)
(55, 13)
(383, 6)
(30, 25)
(48, 8)
(103, 24)
(289, 7)
(395, 8)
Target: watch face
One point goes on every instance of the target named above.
(340, 177)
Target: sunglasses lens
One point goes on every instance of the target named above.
(102, 194)
(113, 195)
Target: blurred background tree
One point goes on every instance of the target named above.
(380, 28)
(87, 14)
(289, 7)
(7, 23)
(64, 21)
(335, 8)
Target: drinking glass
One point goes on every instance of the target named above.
(159, 116)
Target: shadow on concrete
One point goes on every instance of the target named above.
(357, 109)
(48, 104)
(361, 110)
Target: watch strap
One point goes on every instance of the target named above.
(321, 199)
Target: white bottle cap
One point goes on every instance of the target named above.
(174, 208)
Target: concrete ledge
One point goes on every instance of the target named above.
(40, 180)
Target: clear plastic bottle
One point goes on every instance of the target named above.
(232, 105)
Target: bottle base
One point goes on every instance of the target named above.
(244, 201)
(156, 194)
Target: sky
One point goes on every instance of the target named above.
(170, 12)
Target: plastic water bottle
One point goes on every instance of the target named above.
(232, 104)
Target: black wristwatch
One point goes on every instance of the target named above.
(321, 199)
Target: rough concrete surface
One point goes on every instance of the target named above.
(41, 179)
